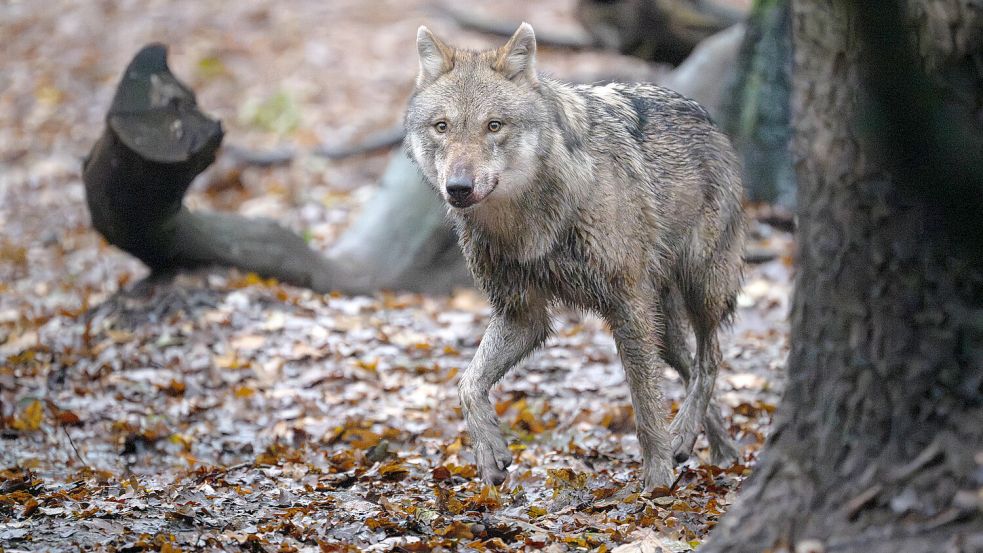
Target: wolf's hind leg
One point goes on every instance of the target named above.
(634, 326)
(506, 341)
(709, 295)
(723, 452)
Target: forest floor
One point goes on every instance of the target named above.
(219, 411)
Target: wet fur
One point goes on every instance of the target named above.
(620, 199)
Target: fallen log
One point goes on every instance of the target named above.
(155, 142)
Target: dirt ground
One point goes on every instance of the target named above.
(219, 411)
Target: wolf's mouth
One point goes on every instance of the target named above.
(462, 203)
(472, 199)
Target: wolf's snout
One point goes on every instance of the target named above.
(459, 187)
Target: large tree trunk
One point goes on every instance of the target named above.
(878, 445)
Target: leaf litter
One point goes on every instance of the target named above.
(218, 411)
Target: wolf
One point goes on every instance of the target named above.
(621, 199)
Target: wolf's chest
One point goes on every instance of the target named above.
(567, 274)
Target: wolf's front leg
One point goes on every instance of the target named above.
(506, 341)
(634, 329)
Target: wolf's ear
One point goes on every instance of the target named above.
(517, 59)
(436, 58)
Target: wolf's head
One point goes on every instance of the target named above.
(474, 123)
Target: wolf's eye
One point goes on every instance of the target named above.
(494, 125)
(440, 126)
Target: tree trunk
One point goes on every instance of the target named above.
(756, 112)
(878, 444)
(155, 143)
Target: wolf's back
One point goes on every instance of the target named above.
(655, 148)
(666, 143)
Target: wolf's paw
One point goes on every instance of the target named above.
(657, 474)
(683, 440)
(724, 453)
(493, 459)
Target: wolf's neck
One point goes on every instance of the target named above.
(571, 118)
(529, 225)
(524, 227)
(566, 141)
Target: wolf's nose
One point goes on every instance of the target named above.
(459, 186)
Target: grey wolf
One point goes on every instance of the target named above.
(620, 199)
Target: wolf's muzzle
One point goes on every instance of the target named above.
(459, 189)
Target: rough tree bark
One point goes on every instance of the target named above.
(878, 444)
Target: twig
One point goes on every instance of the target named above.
(379, 140)
(927, 455)
(72, 443)
(675, 482)
(259, 158)
(522, 524)
(757, 256)
(215, 471)
(780, 221)
(855, 505)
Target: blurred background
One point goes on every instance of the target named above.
(305, 398)
(125, 385)
(302, 76)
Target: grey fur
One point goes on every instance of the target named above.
(621, 199)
